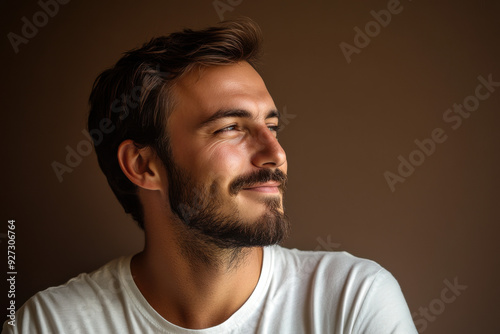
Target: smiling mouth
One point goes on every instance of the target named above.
(268, 187)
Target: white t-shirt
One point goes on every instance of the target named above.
(297, 292)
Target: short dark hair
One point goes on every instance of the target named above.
(133, 99)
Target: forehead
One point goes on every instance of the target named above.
(201, 93)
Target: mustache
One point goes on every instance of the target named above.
(260, 176)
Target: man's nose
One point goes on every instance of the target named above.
(269, 152)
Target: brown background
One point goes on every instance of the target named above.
(350, 124)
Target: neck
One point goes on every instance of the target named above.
(191, 282)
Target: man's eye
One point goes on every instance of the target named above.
(273, 128)
(226, 129)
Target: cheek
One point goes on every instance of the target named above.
(224, 162)
(220, 161)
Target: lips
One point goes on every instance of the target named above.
(267, 187)
(263, 180)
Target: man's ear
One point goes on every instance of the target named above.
(140, 165)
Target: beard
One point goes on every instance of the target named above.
(199, 206)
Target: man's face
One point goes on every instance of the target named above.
(227, 171)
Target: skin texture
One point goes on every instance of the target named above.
(212, 150)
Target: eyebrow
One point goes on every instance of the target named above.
(240, 113)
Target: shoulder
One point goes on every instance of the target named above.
(82, 297)
(99, 283)
(344, 277)
(336, 265)
(344, 291)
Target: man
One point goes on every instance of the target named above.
(188, 145)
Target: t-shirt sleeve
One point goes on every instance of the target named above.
(29, 320)
(384, 309)
(43, 314)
